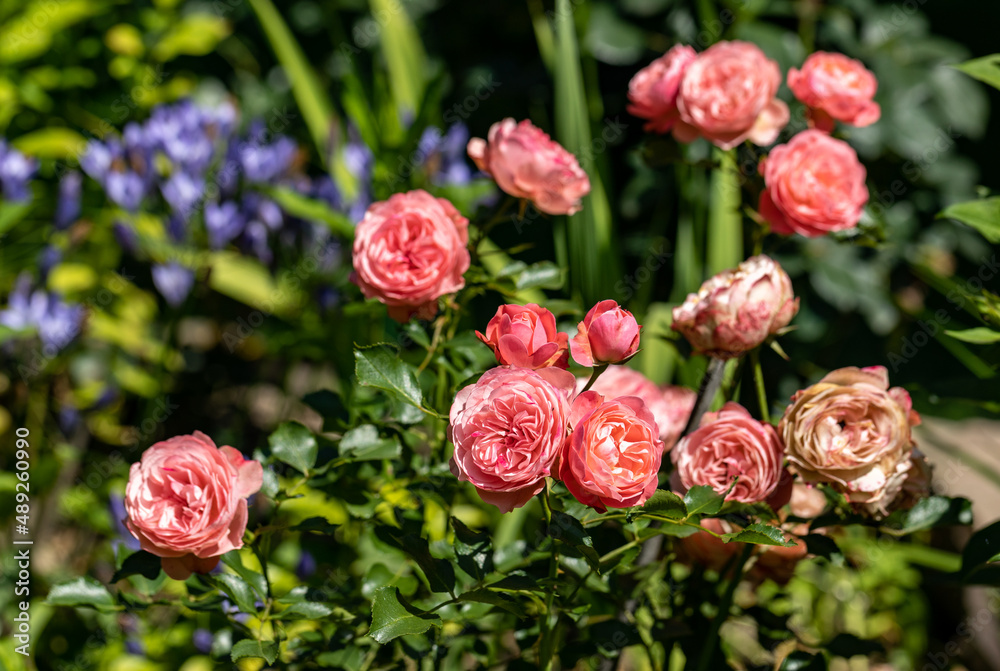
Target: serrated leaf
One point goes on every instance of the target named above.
(569, 531)
(267, 650)
(390, 619)
(982, 548)
(759, 534)
(238, 591)
(305, 610)
(985, 69)
(666, 504)
(141, 563)
(497, 599)
(381, 368)
(982, 215)
(295, 445)
(935, 511)
(702, 500)
(364, 444)
(473, 550)
(251, 577)
(440, 573)
(82, 592)
(977, 336)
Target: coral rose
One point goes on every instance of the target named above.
(526, 337)
(507, 429)
(814, 185)
(737, 310)
(727, 95)
(730, 444)
(652, 93)
(186, 502)
(607, 334)
(527, 163)
(613, 455)
(854, 432)
(835, 87)
(409, 251)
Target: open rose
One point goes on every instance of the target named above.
(507, 429)
(814, 185)
(613, 455)
(854, 432)
(526, 336)
(737, 310)
(608, 334)
(652, 93)
(835, 87)
(186, 502)
(409, 251)
(527, 163)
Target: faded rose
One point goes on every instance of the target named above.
(526, 336)
(835, 87)
(652, 93)
(608, 334)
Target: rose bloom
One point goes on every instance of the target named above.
(730, 444)
(704, 549)
(507, 429)
(613, 455)
(186, 502)
(409, 251)
(835, 87)
(778, 563)
(526, 337)
(527, 163)
(814, 185)
(652, 93)
(851, 430)
(671, 405)
(737, 310)
(727, 95)
(607, 334)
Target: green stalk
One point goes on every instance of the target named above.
(712, 642)
(758, 377)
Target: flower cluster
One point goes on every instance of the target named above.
(16, 171)
(55, 321)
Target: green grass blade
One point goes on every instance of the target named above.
(403, 51)
(725, 222)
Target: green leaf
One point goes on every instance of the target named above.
(497, 599)
(390, 619)
(252, 578)
(248, 281)
(305, 610)
(59, 143)
(979, 336)
(545, 275)
(268, 650)
(515, 583)
(318, 525)
(570, 532)
(822, 546)
(11, 214)
(378, 366)
(403, 51)
(759, 534)
(799, 660)
(440, 572)
(195, 34)
(141, 563)
(364, 444)
(83, 592)
(294, 445)
(330, 406)
(238, 591)
(666, 504)
(936, 511)
(725, 221)
(703, 500)
(303, 207)
(473, 549)
(982, 548)
(849, 645)
(982, 215)
(985, 69)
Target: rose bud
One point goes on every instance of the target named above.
(852, 431)
(835, 88)
(409, 251)
(526, 337)
(671, 406)
(527, 163)
(730, 445)
(727, 95)
(508, 429)
(652, 93)
(186, 502)
(613, 454)
(813, 185)
(737, 310)
(607, 334)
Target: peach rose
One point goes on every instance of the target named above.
(607, 334)
(671, 406)
(807, 501)
(778, 563)
(854, 432)
(508, 429)
(409, 251)
(186, 502)
(730, 444)
(814, 185)
(835, 87)
(652, 93)
(727, 95)
(613, 454)
(526, 337)
(527, 163)
(737, 310)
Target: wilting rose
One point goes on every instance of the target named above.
(508, 429)
(851, 430)
(737, 310)
(526, 336)
(727, 95)
(730, 444)
(652, 93)
(608, 334)
(527, 163)
(814, 185)
(613, 455)
(835, 87)
(671, 406)
(186, 502)
(409, 251)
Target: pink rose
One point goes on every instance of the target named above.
(607, 334)
(814, 185)
(613, 455)
(737, 310)
(409, 251)
(727, 95)
(186, 502)
(526, 337)
(835, 87)
(526, 163)
(508, 429)
(731, 444)
(652, 93)
(671, 406)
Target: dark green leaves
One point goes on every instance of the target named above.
(570, 533)
(363, 444)
(977, 336)
(666, 504)
(267, 650)
(473, 549)
(140, 563)
(381, 368)
(985, 69)
(294, 445)
(439, 572)
(759, 534)
(702, 500)
(83, 592)
(390, 618)
(982, 550)
(803, 661)
(238, 591)
(936, 511)
(982, 215)
(544, 275)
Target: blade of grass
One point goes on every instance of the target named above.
(725, 222)
(403, 51)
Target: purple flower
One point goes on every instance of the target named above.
(223, 222)
(98, 157)
(68, 205)
(202, 640)
(47, 260)
(255, 239)
(173, 281)
(126, 189)
(443, 156)
(16, 171)
(182, 192)
(126, 236)
(116, 506)
(55, 321)
(306, 566)
(262, 162)
(133, 646)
